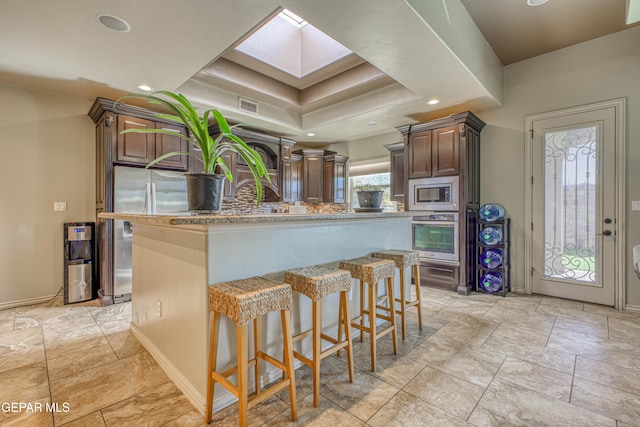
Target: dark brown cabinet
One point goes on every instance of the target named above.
(141, 148)
(313, 169)
(398, 177)
(291, 174)
(334, 178)
(450, 147)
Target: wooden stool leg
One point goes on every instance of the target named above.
(243, 350)
(214, 328)
(256, 348)
(317, 347)
(373, 300)
(394, 331)
(416, 275)
(340, 319)
(285, 316)
(344, 305)
(361, 309)
(403, 303)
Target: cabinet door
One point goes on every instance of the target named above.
(136, 148)
(298, 180)
(167, 143)
(446, 151)
(420, 155)
(327, 182)
(287, 181)
(313, 179)
(340, 183)
(397, 175)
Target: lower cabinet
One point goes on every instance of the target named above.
(445, 276)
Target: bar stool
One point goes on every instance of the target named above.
(317, 282)
(370, 271)
(404, 259)
(242, 301)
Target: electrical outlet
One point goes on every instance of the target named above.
(159, 308)
(635, 205)
(59, 206)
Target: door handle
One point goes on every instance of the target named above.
(604, 233)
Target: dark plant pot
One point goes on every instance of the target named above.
(204, 191)
(370, 198)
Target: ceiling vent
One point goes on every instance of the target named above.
(248, 106)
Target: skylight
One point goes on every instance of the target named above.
(292, 18)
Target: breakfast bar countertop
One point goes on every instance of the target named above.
(188, 218)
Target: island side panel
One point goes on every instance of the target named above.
(170, 267)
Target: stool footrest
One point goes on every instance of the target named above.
(303, 359)
(385, 332)
(267, 393)
(274, 362)
(409, 303)
(301, 335)
(225, 383)
(233, 370)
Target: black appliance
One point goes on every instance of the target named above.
(79, 254)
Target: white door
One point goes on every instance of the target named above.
(574, 205)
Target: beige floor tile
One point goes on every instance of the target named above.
(362, 398)
(74, 363)
(547, 357)
(507, 404)
(606, 400)
(149, 408)
(192, 418)
(24, 384)
(109, 383)
(450, 356)
(523, 333)
(330, 368)
(326, 414)
(394, 370)
(593, 327)
(257, 416)
(124, 344)
(624, 379)
(449, 393)
(92, 420)
(405, 409)
(30, 317)
(535, 377)
(61, 341)
(7, 318)
(21, 348)
(472, 331)
(561, 302)
(624, 329)
(610, 311)
(463, 308)
(33, 415)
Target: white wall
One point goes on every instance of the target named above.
(48, 154)
(599, 70)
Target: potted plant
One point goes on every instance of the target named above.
(204, 189)
(369, 195)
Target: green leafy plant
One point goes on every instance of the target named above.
(211, 149)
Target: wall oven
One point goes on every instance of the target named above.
(434, 194)
(435, 236)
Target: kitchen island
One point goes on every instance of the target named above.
(176, 257)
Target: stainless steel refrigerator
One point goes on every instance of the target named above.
(140, 191)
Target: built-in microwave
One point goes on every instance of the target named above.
(434, 194)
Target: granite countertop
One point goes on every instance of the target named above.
(187, 218)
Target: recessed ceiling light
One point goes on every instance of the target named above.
(536, 2)
(372, 123)
(433, 101)
(113, 22)
(311, 134)
(145, 87)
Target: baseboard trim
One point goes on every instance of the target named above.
(635, 308)
(23, 302)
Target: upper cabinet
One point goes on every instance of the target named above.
(446, 147)
(398, 177)
(324, 176)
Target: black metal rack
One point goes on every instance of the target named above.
(505, 245)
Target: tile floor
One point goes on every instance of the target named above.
(480, 360)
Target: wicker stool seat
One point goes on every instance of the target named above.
(243, 301)
(404, 259)
(316, 283)
(370, 271)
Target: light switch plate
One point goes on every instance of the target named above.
(635, 205)
(60, 206)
